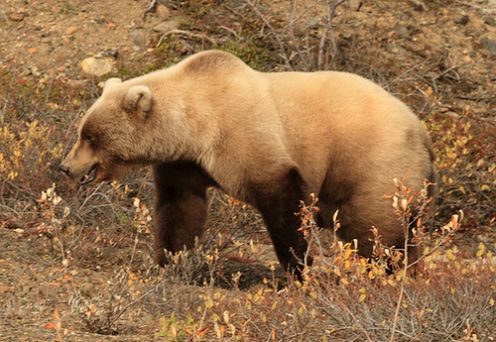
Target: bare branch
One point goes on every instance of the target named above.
(186, 33)
(274, 33)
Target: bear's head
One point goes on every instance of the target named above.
(112, 134)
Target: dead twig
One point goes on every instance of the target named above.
(124, 309)
(332, 5)
(403, 280)
(476, 98)
(452, 68)
(152, 8)
(312, 52)
(282, 46)
(293, 37)
(357, 322)
(230, 30)
(185, 33)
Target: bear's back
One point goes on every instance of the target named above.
(350, 122)
(211, 61)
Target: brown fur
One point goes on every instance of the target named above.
(181, 202)
(269, 139)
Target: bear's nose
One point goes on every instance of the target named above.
(64, 169)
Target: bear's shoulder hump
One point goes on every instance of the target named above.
(210, 60)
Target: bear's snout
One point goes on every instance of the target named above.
(64, 169)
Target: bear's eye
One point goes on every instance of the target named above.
(88, 137)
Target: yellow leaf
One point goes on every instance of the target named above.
(209, 303)
(485, 187)
(428, 91)
(225, 315)
(481, 250)
(450, 255)
(362, 295)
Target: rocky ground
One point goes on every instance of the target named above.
(50, 39)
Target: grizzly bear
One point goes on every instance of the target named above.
(269, 139)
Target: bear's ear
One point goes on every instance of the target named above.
(138, 99)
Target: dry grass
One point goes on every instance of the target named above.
(344, 297)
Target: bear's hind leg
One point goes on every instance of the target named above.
(180, 207)
(278, 205)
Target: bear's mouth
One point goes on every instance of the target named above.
(90, 176)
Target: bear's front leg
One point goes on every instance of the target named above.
(278, 202)
(180, 208)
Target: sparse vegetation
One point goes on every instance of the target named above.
(75, 263)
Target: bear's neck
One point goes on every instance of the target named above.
(185, 132)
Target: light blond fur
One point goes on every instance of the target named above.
(248, 127)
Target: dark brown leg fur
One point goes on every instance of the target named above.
(180, 208)
(278, 203)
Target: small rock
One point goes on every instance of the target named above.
(452, 115)
(3, 17)
(314, 23)
(346, 35)
(404, 33)
(33, 71)
(418, 5)
(138, 38)
(16, 16)
(114, 53)
(70, 30)
(77, 83)
(87, 289)
(166, 26)
(462, 20)
(49, 291)
(303, 28)
(100, 21)
(490, 20)
(397, 49)
(96, 66)
(355, 5)
(163, 12)
(490, 45)
(32, 50)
